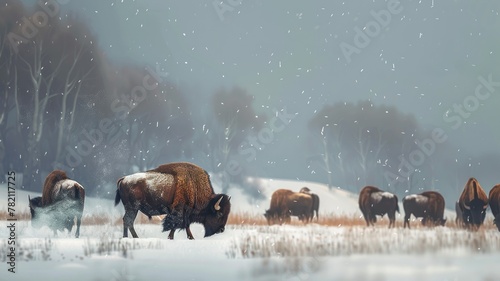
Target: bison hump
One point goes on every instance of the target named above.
(417, 198)
(378, 196)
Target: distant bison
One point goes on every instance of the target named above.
(428, 205)
(182, 191)
(61, 202)
(286, 203)
(373, 201)
(315, 198)
(494, 201)
(473, 203)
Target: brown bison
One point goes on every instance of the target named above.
(494, 201)
(286, 203)
(61, 202)
(473, 203)
(315, 198)
(182, 191)
(373, 201)
(428, 205)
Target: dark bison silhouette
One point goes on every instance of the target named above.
(286, 203)
(61, 202)
(182, 191)
(494, 201)
(373, 202)
(473, 203)
(428, 205)
(315, 198)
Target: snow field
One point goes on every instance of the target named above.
(254, 251)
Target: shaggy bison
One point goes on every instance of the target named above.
(373, 201)
(473, 203)
(315, 198)
(62, 201)
(182, 191)
(494, 201)
(428, 205)
(286, 203)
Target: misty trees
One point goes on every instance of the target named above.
(360, 144)
(42, 77)
(234, 119)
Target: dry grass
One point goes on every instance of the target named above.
(246, 218)
(317, 241)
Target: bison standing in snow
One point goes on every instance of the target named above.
(182, 191)
(428, 205)
(286, 203)
(373, 201)
(61, 202)
(315, 198)
(473, 203)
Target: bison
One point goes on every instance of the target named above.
(494, 201)
(428, 205)
(61, 202)
(473, 203)
(373, 201)
(286, 203)
(182, 191)
(315, 198)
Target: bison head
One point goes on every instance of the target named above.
(217, 214)
(475, 211)
(271, 217)
(35, 204)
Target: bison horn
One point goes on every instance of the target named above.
(485, 207)
(217, 206)
(466, 207)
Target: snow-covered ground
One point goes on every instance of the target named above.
(310, 252)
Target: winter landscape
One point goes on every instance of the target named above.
(261, 95)
(254, 250)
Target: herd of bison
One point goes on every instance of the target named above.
(184, 194)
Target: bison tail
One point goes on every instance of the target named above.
(117, 196)
(397, 207)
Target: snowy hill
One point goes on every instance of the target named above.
(335, 201)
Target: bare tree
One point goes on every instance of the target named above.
(360, 141)
(234, 120)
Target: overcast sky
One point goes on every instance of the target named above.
(423, 58)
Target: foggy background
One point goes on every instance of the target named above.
(244, 89)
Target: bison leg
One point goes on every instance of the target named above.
(392, 219)
(171, 234)
(189, 234)
(128, 223)
(78, 223)
(407, 220)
